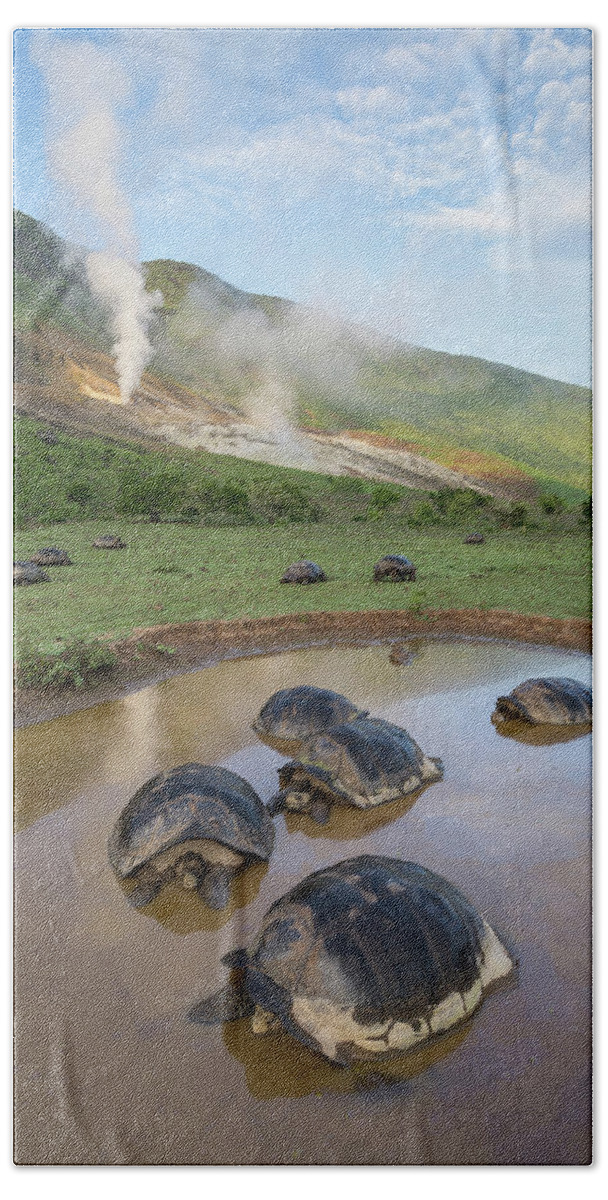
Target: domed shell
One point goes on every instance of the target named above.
(109, 541)
(293, 714)
(474, 539)
(363, 763)
(546, 701)
(372, 957)
(396, 568)
(304, 572)
(50, 556)
(28, 572)
(185, 803)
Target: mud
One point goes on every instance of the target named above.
(110, 1069)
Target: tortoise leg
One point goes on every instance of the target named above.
(214, 887)
(263, 1021)
(147, 886)
(231, 1003)
(276, 804)
(320, 810)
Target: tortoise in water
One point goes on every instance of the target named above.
(28, 572)
(195, 824)
(50, 556)
(474, 539)
(396, 568)
(292, 715)
(304, 572)
(109, 541)
(545, 701)
(361, 764)
(363, 960)
(401, 654)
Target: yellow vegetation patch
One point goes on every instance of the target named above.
(93, 386)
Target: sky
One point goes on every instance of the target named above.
(433, 184)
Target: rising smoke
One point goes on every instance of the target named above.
(84, 144)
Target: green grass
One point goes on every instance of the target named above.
(175, 573)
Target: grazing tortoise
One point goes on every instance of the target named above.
(195, 824)
(292, 715)
(109, 541)
(28, 572)
(474, 539)
(363, 960)
(360, 764)
(545, 702)
(50, 556)
(304, 572)
(395, 568)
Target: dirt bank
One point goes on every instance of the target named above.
(160, 651)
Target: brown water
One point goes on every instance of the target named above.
(109, 1067)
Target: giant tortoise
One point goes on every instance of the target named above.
(363, 960)
(360, 764)
(304, 572)
(395, 568)
(109, 541)
(474, 539)
(28, 572)
(50, 556)
(293, 714)
(195, 824)
(546, 701)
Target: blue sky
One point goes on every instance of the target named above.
(433, 183)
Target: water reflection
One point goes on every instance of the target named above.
(346, 824)
(278, 1065)
(540, 735)
(184, 912)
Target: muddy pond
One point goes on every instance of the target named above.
(110, 1070)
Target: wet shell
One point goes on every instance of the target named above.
(186, 804)
(292, 715)
(109, 541)
(304, 572)
(362, 763)
(370, 958)
(546, 701)
(28, 572)
(396, 568)
(50, 556)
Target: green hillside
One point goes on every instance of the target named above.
(211, 337)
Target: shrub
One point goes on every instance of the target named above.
(516, 516)
(74, 665)
(160, 489)
(422, 514)
(551, 503)
(80, 492)
(284, 503)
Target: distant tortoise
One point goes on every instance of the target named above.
(545, 702)
(50, 556)
(401, 654)
(396, 568)
(360, 764)
(304, 572)
(474, 539)
(28, 572)
(292, 715)
(109, 541)
(196, 824)
(363, 960)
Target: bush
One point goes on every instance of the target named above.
(516, 516)
(75, 665)
(551, 503)
(422, 514)
(142, 491)
(80, 492)
(284, 503)
(458, 504)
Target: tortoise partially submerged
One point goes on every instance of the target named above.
(50, 556)
(396, 568)
(474, 539)
(294, 714)
(361, 764)
(545, 701)
(363, 960)
(401, 654)
(109, 541)
(28, 572)
(304, 572)
(195, 824)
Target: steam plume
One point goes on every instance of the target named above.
(85, 86)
